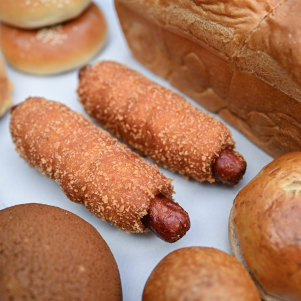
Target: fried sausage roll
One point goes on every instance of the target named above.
(159, 123)
(96, 170)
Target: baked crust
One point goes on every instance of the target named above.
(199, 273)
(58, 48)
(48, 253)
(264, 228)
(40, 13)
(212, 50)
(91, 167)
(157, 122)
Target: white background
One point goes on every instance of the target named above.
(136, 254)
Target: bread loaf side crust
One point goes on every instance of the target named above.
(248, 81)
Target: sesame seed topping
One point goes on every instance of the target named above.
(51, 35)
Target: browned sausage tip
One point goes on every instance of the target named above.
(167, 219)
(229, 167)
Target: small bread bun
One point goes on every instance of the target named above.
(47, 253)
(6, 88)
(40, 13)
(55, 49)
(265, 228)
(198, 273)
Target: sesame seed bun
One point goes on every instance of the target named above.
(265, 228)
(40, 13)
(199, 273)
(55, 49)
(47, 253)
(5, 89)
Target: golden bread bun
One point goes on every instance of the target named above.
(47, 253)
(5, 89)
(40, 13)
(55, 49)
(198, 273)
(265, 228)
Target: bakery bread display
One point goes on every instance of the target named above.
(159, 123)
(265, 228)
(56, 49)
(240, 59)
(112, 187)
(6, 88)
(94, 169)
(47, 253)
(40, 13)
(199, 273)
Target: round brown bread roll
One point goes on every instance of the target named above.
(55, 49)
(199, 273)
(40, 13)
(47, 253)
(265, 228)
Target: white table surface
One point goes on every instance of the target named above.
(136, 254)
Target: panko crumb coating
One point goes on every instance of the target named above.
(155, 121)
(89, 165)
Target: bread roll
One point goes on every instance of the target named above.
(199, 273)
(47, 253)
(55, 49)
(238, 58)
(6, 88)
(265, 228)
(40, 13)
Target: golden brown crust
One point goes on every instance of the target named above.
(90, 166)
(55, 49)
(265, 228)
(40, 13)
(237, 58)
(6, 88)
(48, 253)
(163, 125)
(271, 51)
(223, 25)
(199, 273)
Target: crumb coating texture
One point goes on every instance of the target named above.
(90, 166)
(157, 122)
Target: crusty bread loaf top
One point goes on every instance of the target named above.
(260, 37)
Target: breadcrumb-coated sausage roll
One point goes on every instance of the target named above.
(159, 123)
(90, 166)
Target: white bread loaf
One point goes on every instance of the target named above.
(240, 59)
